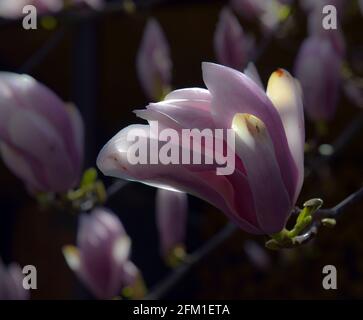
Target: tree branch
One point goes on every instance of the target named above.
(38, 56)
(79, 14)
(192, 260)
(338, 146)
(176, 275)
(332, 213)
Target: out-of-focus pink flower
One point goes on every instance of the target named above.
(230, 43)
(14, 8)
(249, 9)
(11, 283)
(268, 13)
(310, 5)
(318, 63)
(41, 137)
(269, 139)
(316, 28)
(171, 217)
(153, 63)
(101, 258)
(317, 66)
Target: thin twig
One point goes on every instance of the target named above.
(346, 136)
(341, 206)
(192, 260)
(338, 146)
(120, 7)
(43, 51)
(341, 142)
(175, 276)
(79, 14)
(331, 213)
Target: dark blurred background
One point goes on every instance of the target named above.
(93, 65)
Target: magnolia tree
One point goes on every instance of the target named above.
(232, 142)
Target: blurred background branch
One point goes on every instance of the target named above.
(39, 55)
(80, 14)
(192, 260)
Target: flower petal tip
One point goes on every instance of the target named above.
(71, 254)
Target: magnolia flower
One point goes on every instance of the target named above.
(269, 139)
(317, 66)
(41, 137)
(101, 260)
(11, 283)
(316, 28)
(153, 61)
(230, 43)
(318, 63)
(171, 216)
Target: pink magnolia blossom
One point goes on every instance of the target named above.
(316, 28)
(153, 63)
(317, 66)
(269, 140)
(318, 63)
(11, 283)
(41, 137)
(101, 258)
(231, 45)
(171, 217)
